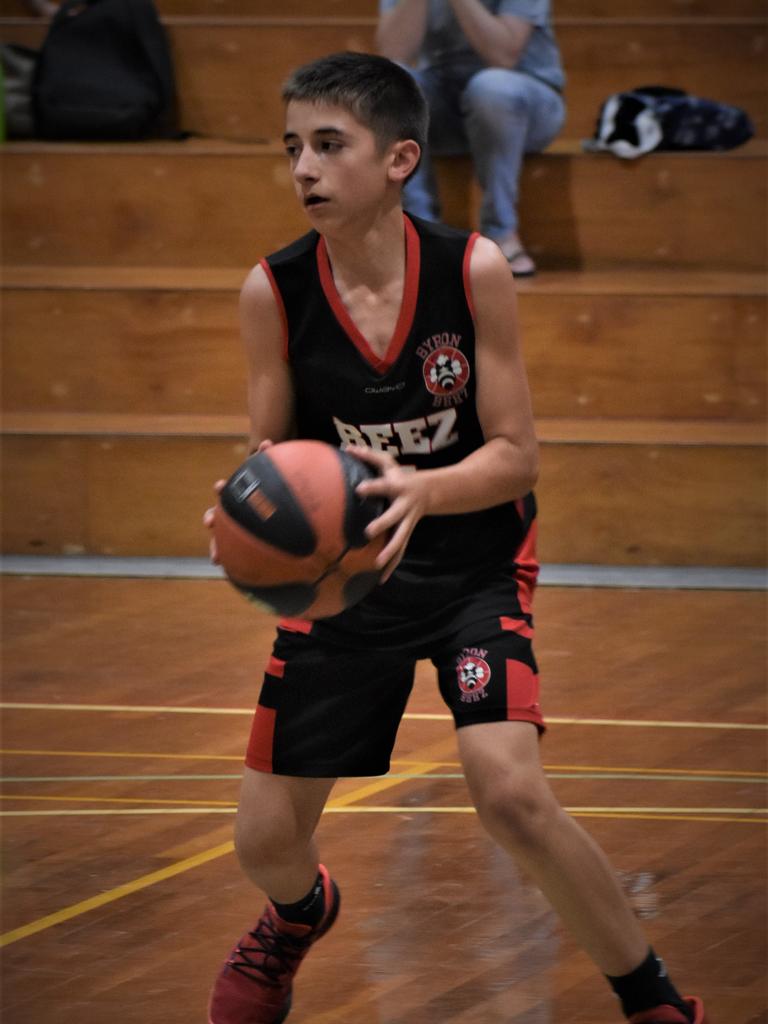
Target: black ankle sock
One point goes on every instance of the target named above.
(308, 910)
(646, 987)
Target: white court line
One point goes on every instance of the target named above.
(160, 709)
(673, 577)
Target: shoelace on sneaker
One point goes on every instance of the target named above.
(270, 944)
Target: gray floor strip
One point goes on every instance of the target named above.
(644, 577)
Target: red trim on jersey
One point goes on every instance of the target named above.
(296, 625)
(519, 626)
(407, 308)
(523, 694)
(275, 667)
(527, 569)
(259, 753)
(280, 304)
(465, 271)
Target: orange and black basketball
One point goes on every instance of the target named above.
(290, 529)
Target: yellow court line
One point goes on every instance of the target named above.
(469, 809)
(66, 913)
(377, 786)
(395, 761)
(74, 798)
(123, 753)
(633, 723)
(142, 709)
(652, 771)
(76, 909)
(618, 813)
(417, 716)
(341, 801)
(614, 768)
(381, 809)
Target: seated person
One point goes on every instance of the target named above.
(493, 78)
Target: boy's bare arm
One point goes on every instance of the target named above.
(270, 391)
(270, 388)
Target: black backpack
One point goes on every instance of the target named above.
(105, 72)
(656, 117)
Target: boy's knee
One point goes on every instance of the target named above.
(263, 839)
(517, 814)
(258, 845)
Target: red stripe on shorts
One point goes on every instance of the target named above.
(259, 753)
(522, 693)
(527, 569)
(296, 625)
(519, 626)
(275, 667)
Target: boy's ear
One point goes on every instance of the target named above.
(404, 156)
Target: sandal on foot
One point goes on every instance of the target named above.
(516, 256)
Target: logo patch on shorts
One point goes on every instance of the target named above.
(473, 674)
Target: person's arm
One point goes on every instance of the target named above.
(401, 30)
(505, 467)
(498, 39)
(270, 388)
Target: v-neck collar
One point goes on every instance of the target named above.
(407, 307)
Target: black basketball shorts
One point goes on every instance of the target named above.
(329, 709)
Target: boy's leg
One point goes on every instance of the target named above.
(517, 807)
(323, 712)
(274, 832)
(274, 838)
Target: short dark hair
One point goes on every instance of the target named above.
(382, 95)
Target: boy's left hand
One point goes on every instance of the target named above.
(406, 492)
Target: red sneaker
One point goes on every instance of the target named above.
(255, 984)
(669, 1015)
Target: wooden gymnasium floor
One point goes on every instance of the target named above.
(126, 710)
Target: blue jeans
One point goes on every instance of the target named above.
(497, 116)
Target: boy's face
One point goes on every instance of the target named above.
(338, 171)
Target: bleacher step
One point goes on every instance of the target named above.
(693, 9)
(165, 341)
(229, 70)
(119, 488)
(202, 204)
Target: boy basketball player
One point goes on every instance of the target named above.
(399, 338)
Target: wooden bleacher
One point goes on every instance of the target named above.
(226, 91)
(644, 334)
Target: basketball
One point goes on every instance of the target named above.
(290, 530)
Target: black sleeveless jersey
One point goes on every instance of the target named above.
(417, 402)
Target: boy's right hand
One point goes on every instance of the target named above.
(209, 515)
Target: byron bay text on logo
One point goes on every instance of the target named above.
(473, 674)
(445, 368)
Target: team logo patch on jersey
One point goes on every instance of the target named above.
(473, 674)
(446, 371)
